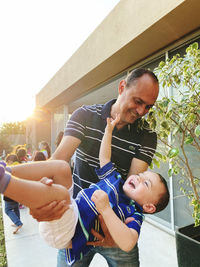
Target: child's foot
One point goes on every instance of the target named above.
(17, 229)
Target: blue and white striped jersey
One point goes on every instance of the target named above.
(112, 183)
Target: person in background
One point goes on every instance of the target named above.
(38, 156)
(22, 155)
(11, 159)
(11, 206)
(45, 149)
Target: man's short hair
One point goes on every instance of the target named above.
(137, 73)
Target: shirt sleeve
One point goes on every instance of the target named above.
(106, 171)
(136, 223)
(148, 146)
(76, 126)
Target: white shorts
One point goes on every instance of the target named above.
(58, 233)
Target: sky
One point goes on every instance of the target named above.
(37, 38)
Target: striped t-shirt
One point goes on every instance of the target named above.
(88, 123)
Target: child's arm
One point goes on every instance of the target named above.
(105, 148)
(123, 236)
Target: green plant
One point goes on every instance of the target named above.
(3, 258)
(176, 120)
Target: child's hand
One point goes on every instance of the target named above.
(101, 200)
(111, 123)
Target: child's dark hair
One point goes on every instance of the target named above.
(21, 155)
(164, 197)
(11, 157)
(47, 148)
(39, 156)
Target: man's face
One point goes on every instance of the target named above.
(136, 100)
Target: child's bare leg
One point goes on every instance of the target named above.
(34, 194)
(59, 171)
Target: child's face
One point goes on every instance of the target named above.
(144, 188)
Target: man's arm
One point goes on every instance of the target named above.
(137, 166)
(55, 210)
(66, 148)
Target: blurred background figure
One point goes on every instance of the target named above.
(22, 155)
(38, 156)
(29, 152)
(11, 206)
(45, 149)
(11, 159)
(59, 138)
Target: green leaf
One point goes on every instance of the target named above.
(194, 46)
(165, 125)
(197, 131)
(156, 162)
(170, 172)
(161, 64)
(159, 155)
(189, 140)
(151, 166)
(173, 152)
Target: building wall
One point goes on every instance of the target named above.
(133, 31)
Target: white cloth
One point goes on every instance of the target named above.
(58, 233)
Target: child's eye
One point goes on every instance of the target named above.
(146, 183)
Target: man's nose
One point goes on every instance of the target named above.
(141, 110)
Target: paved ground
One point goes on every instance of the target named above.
(26, 248)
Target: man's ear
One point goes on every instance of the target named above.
(121, 87)
(149, 208)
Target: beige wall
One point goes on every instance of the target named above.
(134, 30)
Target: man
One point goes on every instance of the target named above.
(133, 147)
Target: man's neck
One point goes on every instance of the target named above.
(113, 114)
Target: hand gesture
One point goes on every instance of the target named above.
(52, 211)
(101, 201)
(111, 123)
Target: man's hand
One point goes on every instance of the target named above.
(52, 211)
(103, 241)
